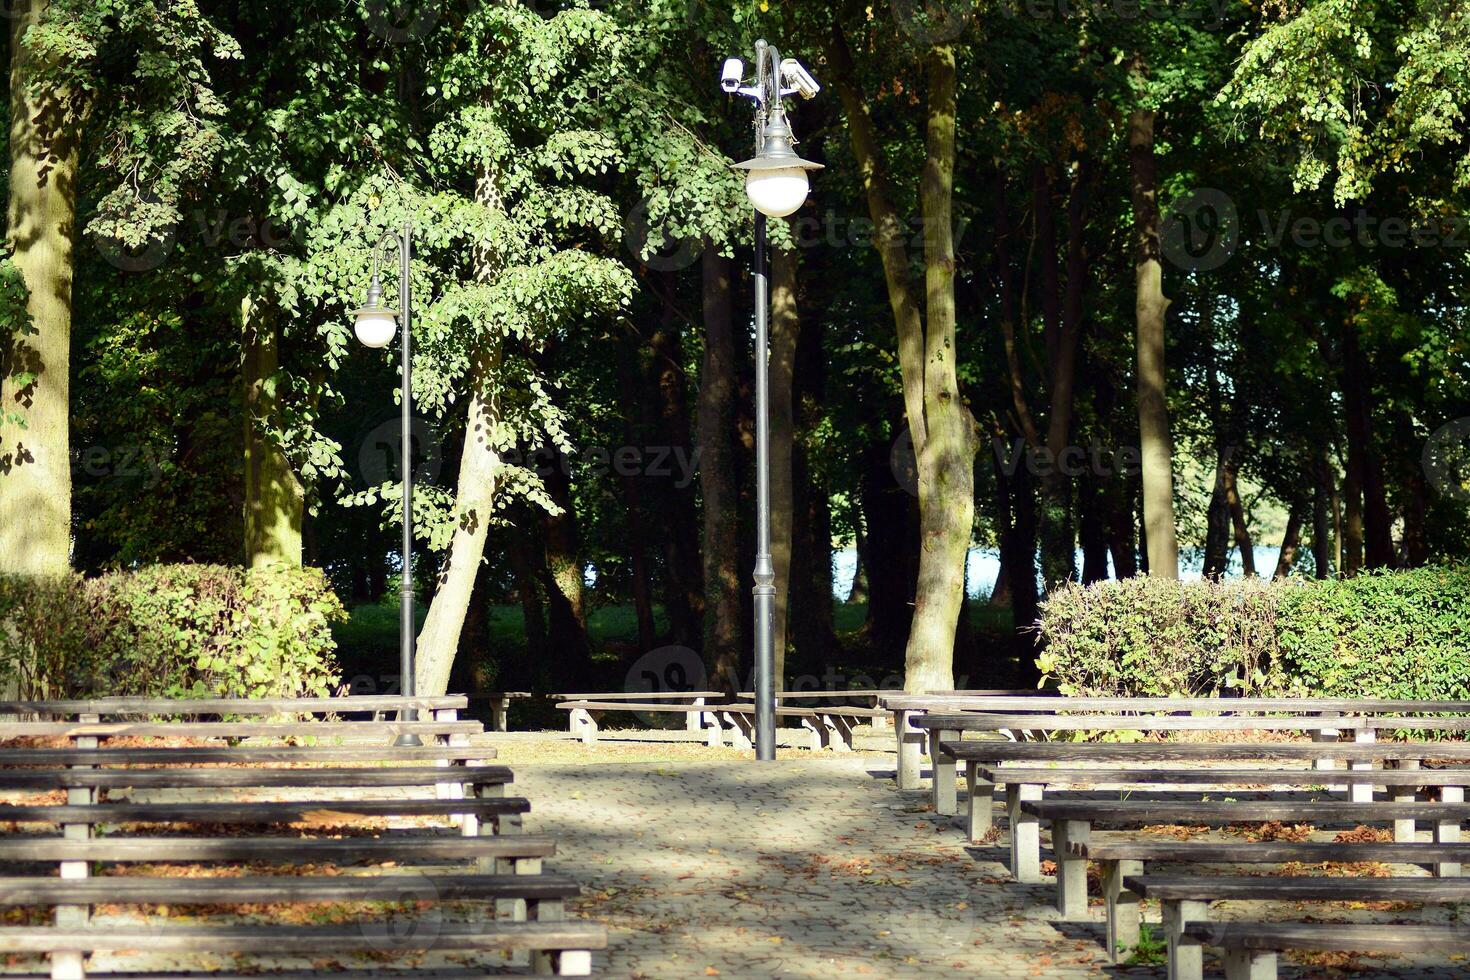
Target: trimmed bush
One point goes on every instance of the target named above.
(1387, 634)
(170, 631)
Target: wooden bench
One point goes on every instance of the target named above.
(499, 702)
(913, 741)
(1073, 820)
(1031, 784)
(373, 704)
(1186, 901)
(1119, 858)
(945, 728)
(828, 727)
(1251, 947)
(582, 716)
(976, 755)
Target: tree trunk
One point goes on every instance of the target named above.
(1363, 458)
(889, 513)
(35, 461)
(684, 574)
(1237, 518)
(1414, 552)
(274, 498)
(1091, 530)
(858, 592)
(473, 507)
(1151, 306)
(636, 519)
(718, 477)
(785, 326)
(564, 580)
(941, 427)
(1291, 540)
(945, 440)
(1322, 491)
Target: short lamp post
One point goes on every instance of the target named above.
(776, 183)
(375, 325)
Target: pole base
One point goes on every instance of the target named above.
(408, 740)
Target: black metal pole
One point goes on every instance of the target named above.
(406, 625)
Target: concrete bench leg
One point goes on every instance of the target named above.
(1448, 831)
(1025, 832)
(820, 736)
(1186, 957)
(1404, 831)
(741, 731)
(714, 736)
(1250, 964)
(692, 719)
(910, 749)
(1363, 793)
(562, 963)
(68, 964)
(839, 732)
(499, 708)
(583, 725)
(1071, 870)
(1124, 915)
(945, 800)
(980, 805)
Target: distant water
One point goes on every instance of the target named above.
(983, 566)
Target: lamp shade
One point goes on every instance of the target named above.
(375, 326)
(777, 193)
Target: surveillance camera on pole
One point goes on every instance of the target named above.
(776, 183)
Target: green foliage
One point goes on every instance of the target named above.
(1151, 637)
(1389, 634)
(1385, 634)
(170, 631)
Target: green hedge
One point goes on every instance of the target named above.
(1387, 634)
(170, 631)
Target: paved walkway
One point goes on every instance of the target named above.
(813, 868)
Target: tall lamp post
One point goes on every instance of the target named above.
(776, 183)
(375, 325)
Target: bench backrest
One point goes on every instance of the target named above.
(167, 707)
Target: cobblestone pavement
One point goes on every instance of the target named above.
(811, 868)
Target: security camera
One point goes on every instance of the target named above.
(731, 75)
(799, 78)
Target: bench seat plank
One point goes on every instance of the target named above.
(276, 812)
(1270, 852)
(963, 702)
(1206, 888)
(286, 940)
(235, 706)
(162, 850)
(1135, 812)
(129, 890)
(252, 755)
(234, 729)
(981, 722)
(1228, 777)
(248, 777)
(1342, 936)
(1076, 752)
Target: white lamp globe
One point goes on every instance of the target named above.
(777, 192)
(375, 328)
